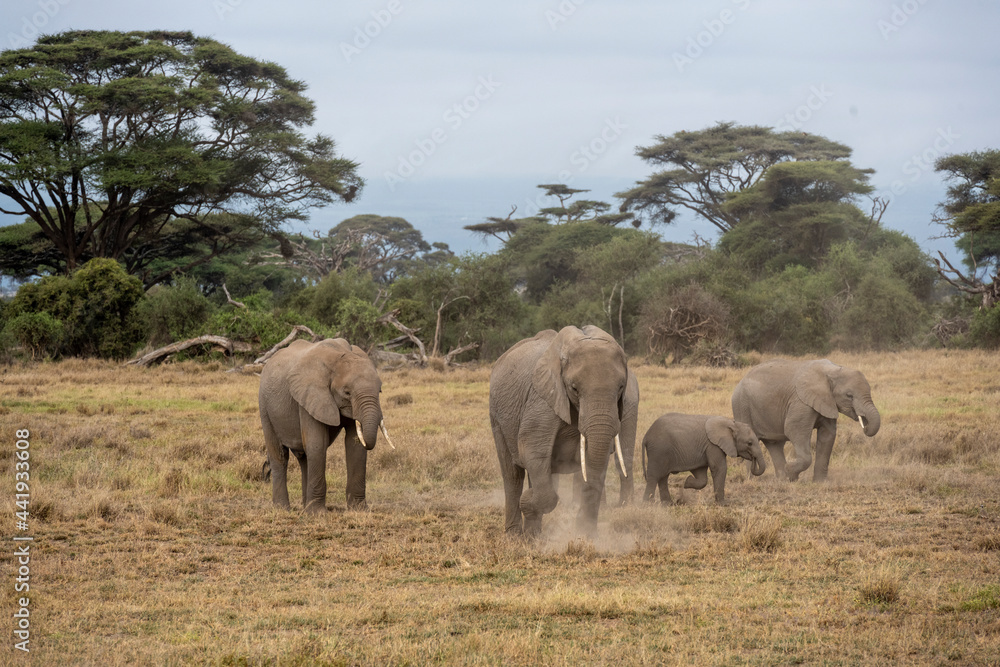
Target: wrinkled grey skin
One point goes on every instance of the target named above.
(786, 400)
(545, 391)
(699, 443)
(309, 392)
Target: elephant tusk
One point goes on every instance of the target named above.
(621, 459)
(381, 425)
(361, 438)
(583, 455)
(861, 420)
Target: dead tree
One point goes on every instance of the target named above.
(227, 345)
(369, 249)
(971, 284)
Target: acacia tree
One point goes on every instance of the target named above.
(107, 139)
(700, 170)
(971, 215)
(796, 211)
(382, 246)
(581, 210)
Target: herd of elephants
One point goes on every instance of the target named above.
(560, 402)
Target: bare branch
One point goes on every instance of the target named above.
(229, 299)
(390, 319)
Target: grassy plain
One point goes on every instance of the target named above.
(155, 542)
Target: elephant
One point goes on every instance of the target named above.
(309, 392)
(558, 402)
(678, 443)
(786, 400)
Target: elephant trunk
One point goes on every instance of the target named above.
(758, 465)
(868, 417)
(598, 430)
(368, 415)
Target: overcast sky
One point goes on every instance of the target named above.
(455, 110)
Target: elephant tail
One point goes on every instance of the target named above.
(644, 458)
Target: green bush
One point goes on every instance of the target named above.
(358, 323)
(175, 312)
(40, 333)
(96, 305)
(985, 328)
(882, 315)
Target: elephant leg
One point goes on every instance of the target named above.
(719, 482)
(826, 433)
(776, 448)
(665, 498)
(541, 498)
(300, 456)
(650, 493)
(277, 459)
(536, 438)
(315, 440)
(356, 457)
(802, 441)
(698, 478)
(626, 477)
(513, 482)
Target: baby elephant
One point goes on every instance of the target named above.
(677, 442)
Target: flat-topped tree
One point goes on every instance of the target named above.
(700, 170)
(582, 210)
(107, 137)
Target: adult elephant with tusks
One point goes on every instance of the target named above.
(786, 400)
(309, 393)
(561, 403)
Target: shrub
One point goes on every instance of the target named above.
(358, 323)
(882, 315)
(175, 312)
(675, 323)
(39, 332)
(985, 328)
(95, 305)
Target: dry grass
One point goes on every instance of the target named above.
(155, 542)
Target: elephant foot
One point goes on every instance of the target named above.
(532, 526)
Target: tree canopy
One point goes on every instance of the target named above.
(133, 146)
(701, 169)
(971, 215)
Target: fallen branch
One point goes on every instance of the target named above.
(390, 318)
(230, 346)
(457, 351)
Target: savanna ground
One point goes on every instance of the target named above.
(155, 541)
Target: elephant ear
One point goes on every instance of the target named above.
(310, 378)
(546, 379)
(812, 386)
(630, 397)
(720, 432)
